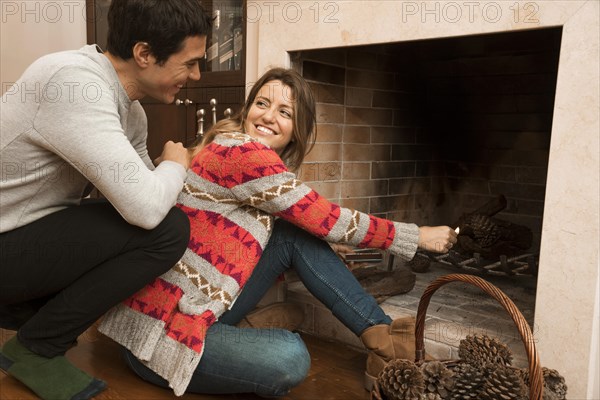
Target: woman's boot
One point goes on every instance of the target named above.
(388, 342)
(282, 315)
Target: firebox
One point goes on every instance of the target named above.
(430, 130)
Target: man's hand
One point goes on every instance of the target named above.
(174, 152)
(438, 239)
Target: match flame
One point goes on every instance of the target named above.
(457, 230)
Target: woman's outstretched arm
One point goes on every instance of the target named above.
(259, 178)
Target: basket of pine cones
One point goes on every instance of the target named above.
(484, 369)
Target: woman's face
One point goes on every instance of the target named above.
(270, 118)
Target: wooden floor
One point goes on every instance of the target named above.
(336, 373)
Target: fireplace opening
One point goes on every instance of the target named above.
(428, 131)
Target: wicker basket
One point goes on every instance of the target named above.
(536, 377)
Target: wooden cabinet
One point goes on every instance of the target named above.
(223, 75)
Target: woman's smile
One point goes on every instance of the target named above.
(264, 130)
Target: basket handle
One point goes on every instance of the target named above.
(536, 379)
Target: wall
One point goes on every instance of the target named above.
(30, 29)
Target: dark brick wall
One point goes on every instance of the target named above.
(427, 130)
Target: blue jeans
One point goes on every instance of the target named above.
(270, 362)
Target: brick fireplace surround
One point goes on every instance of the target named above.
(567, 295)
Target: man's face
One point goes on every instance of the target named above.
(163, 82)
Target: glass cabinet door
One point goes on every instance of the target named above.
(100, 20)
(224, 46)
(223, 74)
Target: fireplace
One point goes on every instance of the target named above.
(428, 131)
(540, 150)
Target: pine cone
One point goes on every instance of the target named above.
(504, 383)
(438, 378)
(484, 231)
(481, 350)
(468, 382)
(402, 380)
(555, 387)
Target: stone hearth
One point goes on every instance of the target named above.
(456, 310)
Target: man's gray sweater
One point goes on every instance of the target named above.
(66, 122)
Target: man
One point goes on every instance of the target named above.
(72, 119)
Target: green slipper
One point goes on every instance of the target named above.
(50, 378)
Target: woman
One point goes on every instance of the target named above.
(182, 326)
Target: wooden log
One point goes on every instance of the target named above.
(513, 239)
(492, 207)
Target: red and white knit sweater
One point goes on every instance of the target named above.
(234, 189)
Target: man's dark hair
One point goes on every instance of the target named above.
(163, 24)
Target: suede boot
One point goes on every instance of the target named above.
(282, 315)
(386, 343)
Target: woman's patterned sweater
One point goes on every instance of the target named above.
(234, 189)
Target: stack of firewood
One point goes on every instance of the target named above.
(491, 237)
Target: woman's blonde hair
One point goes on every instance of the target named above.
(305, 123)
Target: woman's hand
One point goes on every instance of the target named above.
(438, 239)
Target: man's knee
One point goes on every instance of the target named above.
(174, 234)
(177, 223)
